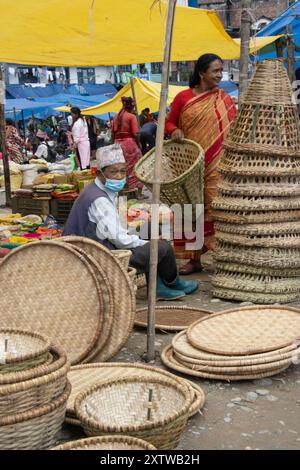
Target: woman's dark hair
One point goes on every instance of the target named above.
(77, 112)
(9, 122)
(202, 66)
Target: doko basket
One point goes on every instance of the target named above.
(182, 172)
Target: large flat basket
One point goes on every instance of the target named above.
(182, 172)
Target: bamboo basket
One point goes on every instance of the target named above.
(123, 256)
(284, 228)
(182, 172)
(254, 297)
(33, 393)
(107, 443)
(251, 203)
(21, 350)
(267, 186)
(36, 429)
(276, 241)
(257, 270)
(155, 410)
(256, 217)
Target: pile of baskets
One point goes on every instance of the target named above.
(257, 209)
(68, 285)
(33, 390)
(239, 344)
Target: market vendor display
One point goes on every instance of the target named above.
(95, 215)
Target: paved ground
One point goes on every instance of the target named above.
(267, 418)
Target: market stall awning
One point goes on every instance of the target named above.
(102, 32)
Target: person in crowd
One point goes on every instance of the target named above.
(13, 142)
(80, 136)
(93, 133)
(45, 149)
(203, 113)
(125, 131)
(95, 215)
(145, 116)
(148, 136)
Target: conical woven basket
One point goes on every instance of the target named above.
(256, 217)
(257, 270)
(254, 297)
(182, 172)
(284, 228)
(232, 184)
(276, 241)
(251, 203)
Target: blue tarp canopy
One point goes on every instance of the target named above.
(41, 110)
(290, 17)
(36, 92)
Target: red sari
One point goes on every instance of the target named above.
(205, 119)
(125, 136)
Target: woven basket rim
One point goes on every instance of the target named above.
(105, 440)
(126, 281)
(30, 355)
(169, 307)
(143, 369)
(55, 244)
(88, 421)
(37, 412)
(178, 179)
(59, 360)
(235, 310)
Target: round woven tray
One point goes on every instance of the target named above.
(261, 186)
(242, 296)
(182, 172)
(170, 318)
(267, 257)
(256, 217)
(107, 443)
(123, 256)
(167, 357)
(253, 283)
(54, 285)
(250, 203)
(36, 429)
(20, 346)
(85, 376)
(284, 228)
(154, 409)
(247, 330)
(182, 348)
(108, 300)
(258, 271)
(240, 163)
(276, 240)
(123, 297)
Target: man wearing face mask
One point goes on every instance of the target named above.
(95, 215)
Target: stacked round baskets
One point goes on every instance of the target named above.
(33, 390)
(257, 209)
(239, 344)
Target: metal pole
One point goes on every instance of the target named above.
(156, 181)
(3, 138)
(245, 53)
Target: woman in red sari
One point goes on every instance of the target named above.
(203, 113)
(125, 131)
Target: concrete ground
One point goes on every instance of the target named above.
(257, 414)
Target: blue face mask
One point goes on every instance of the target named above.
(115, 185)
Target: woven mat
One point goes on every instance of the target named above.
(123, 297)
(52, 291)
(247, 330)
(170, 361)
(106, 293)
(171, 318)
(82, 377)
(188, 352)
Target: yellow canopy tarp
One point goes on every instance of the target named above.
(147, 96)
(106, 32)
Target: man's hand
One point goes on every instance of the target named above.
(177, 135)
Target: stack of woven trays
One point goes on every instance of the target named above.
(239, 344)
(73, 290)
(257, 209)
(33, 390)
